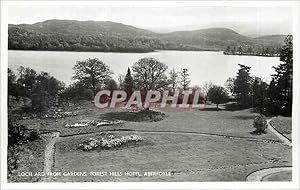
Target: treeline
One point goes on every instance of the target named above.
(92, 75)
(21, 39)
(272, 51)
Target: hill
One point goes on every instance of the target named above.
(84, 28)
(72, 35)
(271, 39)
(215, 38)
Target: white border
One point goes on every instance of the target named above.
(153, 185)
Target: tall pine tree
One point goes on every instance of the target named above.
(283, 79)
(128, 82)
(242, 87)
(185, 80)
(259, 93)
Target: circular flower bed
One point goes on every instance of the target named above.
(109, 142)
(87, 123)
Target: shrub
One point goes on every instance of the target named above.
(77, 91)
(19, 134)
(260, 124)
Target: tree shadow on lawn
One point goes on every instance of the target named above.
(144, 115)
(256, 132)
(245, 117)
(233, 106)
(212, 109)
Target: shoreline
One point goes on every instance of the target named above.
(245, 54)
(158, 50)
(138, 52)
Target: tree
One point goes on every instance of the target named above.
(233, 49)
(45, 91)
(27, 78)
(266, 51)
(272, 100)
(206, 87)
(184, 76)
(229, 84)
(128, 83)
(242, 86)
(250, 50)
(283, 79)
(173, 79)
(227, 49)
(14, 89)
(259, 89)
(92, 72)
(77, 91)
(240, 50)
(149, 74)
(121, 81)
(217, 95)
(111, 84)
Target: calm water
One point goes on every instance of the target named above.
(203, 66)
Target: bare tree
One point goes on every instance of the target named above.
(173, 78)
(149, 74)
(230, 85)
(206, 86)
(121, 81)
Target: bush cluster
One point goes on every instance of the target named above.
(41, 88)
(19, 134)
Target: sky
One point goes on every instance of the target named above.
(252, 21)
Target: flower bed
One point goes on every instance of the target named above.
(109, 142)
(59, 114)
(97, 123)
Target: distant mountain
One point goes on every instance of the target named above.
(215, 38)
(84, 28)
(72, 35)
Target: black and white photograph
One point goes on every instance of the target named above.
(150, 92)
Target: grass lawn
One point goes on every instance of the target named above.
(283, 125)
(187, 157)
(238, 123)
(280, 176)
(86, 112)
(235, 123)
